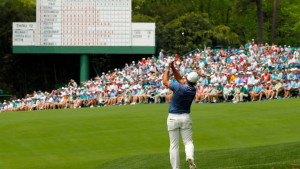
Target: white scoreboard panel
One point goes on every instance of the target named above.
(143, 34)
(49, 22)
(24, 33)
(83, 23)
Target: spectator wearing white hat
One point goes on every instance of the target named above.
(134, 95)
(285, 86)
(161, 94)
(120, 97)
(4, 107)
(297, 87)
(206, 91)
(31, 103)
(151, 94)
(106, 98)
(49, 103)
(297, 61)
(213, 95)
(214, 79)
(10, 106)
(22, 107)
(92, 99)
(251, 78)
(237, 78)
(60, 103)
(127, 96)
(1, 107)
(142, 97)
(16, 105)
(270, 91)
(290, 85)
(226, 92)
(158, 92)
(72, 83)
(242, 92)
(254, 91)
(236, 92)
(198, 96)
(112, 97)
(161, 54)
(264, 91)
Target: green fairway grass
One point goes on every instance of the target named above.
(254, 135)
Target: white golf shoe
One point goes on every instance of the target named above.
(191, 163)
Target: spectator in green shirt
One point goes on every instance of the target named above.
(208, 79)
(243, 93)
(220, 89)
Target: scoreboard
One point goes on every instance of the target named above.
(83, 23)
(24, 33)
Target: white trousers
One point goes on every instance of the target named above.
(180, 124)
(239, 97)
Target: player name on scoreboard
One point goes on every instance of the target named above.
(85, 23)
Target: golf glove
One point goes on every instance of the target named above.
(167, 67)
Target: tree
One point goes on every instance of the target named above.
(243, 5)
(260, 21)
(288, 23)
(192, 31)
(274, 21)
(186, 33)
(222, 35)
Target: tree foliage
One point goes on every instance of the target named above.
(240, 16)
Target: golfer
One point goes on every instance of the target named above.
(179, 120)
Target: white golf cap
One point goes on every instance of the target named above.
(192, 77)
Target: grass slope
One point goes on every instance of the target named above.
(225, 135)
(271, 156)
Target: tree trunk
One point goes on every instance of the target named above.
(227, 16)
(208, 10)
(260, 21)
(274, 21)
(201, 6)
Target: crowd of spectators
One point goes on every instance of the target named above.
(253, 72)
